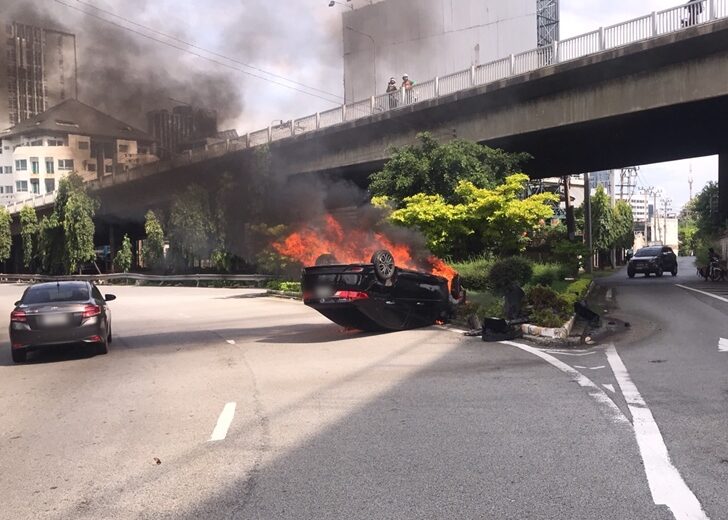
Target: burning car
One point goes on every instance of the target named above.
(379, 295)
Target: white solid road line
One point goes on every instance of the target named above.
(666, 484)
(592, 389)
(723, 345)
(223, 423)
(702, 292)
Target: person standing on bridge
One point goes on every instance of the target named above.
(694, 9)
(392, 91)
(407, 86)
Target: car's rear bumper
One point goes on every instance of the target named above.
(30, 339)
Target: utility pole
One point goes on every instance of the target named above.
(647, 192)
(588, 266)
(570, 223)
(655, 194)
(666, 204)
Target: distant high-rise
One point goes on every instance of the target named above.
(183, 124)
(37, 70)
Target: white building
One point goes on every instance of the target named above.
(71, 136)
(428, 38)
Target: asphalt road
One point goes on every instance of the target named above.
(332, 424)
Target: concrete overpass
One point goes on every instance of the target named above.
(589, 103)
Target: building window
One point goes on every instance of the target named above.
(37, 142)
(8, 189)
(8, 169)
(83, 145)
(55, 142)
(50, 185)
(65, 165)
(109, 168)
(34, 165)
(21, 186)
(123, 148)
(50, 165)
(21, 165)
(91, 167)
(35, 186)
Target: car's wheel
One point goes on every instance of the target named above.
(103, 346)
(383, 262)
(630, 274)
(111, 336)
(19, 356)
(674, 271)
(659, 273)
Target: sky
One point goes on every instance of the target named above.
(296, 39)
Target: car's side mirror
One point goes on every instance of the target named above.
(109, 297)
(18, 302)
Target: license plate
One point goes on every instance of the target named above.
(323, 292)
(55, 319)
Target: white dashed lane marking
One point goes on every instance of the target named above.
(223, 423)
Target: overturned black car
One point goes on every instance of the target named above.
(378, 296)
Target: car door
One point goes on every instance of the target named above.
(668, 259)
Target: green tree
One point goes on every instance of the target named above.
(51, 247)
(603, 228)
(191, 225)
(688, 236)
(154, 243)
(432, 168)
(704, 208)
(494, 220)
(624, 225)
(78, 230)
(29, 234)
(6, 238)
(122, 260)
(66, 237)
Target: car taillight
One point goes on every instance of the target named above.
(351, 295)
(18, 316)
(89, 311)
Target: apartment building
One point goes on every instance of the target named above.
(36, 153)
(37, 70)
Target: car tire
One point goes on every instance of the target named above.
(674, 271)
(630, 274)
(384, 267)
(19, 356)
(659, 273)
(103, 347)
(110, 338)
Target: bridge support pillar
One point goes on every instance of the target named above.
(723, 186)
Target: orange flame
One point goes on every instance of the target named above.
(352, 246)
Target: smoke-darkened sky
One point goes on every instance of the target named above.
(126, 74)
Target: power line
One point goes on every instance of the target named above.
(123, 27)
(195, 46)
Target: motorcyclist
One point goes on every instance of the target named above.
(713, 262)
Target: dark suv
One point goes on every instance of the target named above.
(653, 259)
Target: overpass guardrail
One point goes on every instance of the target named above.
(643, 28)
(657, 23)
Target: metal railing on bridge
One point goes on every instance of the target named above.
(639, 29)
(605, 38)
